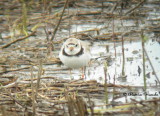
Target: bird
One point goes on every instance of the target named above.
(75, 53)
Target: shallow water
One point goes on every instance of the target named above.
(133, 55)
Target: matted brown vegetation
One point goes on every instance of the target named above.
(30, 33)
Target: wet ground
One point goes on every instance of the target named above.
(104, 33)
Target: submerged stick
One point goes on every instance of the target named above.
(152, 66)
(14, 70)
(17, 40)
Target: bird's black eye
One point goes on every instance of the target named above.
(76, 45)
(67, 46)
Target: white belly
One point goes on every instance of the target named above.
(74, 61)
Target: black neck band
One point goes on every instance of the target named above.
(78, 54)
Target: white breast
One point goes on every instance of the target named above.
(75, 61)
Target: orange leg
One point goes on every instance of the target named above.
(83, 72)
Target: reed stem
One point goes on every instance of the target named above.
(105, 83)
(143, 58)
(123, 56)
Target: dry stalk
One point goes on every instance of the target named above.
(132, 9)
(91, 105)
(105, 83)
(123, 56)
(33, 93)
(55, 30)
(38, 79)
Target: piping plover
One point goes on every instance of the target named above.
(75, 53)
